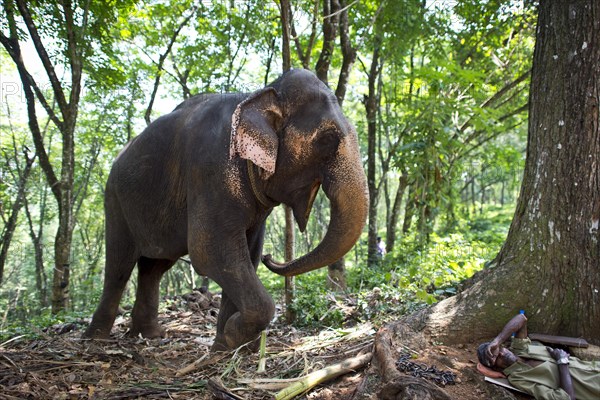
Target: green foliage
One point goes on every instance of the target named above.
(314, 305)
(37, 326)
(414, 275)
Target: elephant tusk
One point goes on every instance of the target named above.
(265, 201)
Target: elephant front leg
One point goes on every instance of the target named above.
(254, 238)
(244, 326)
(246, 307)
(226, 310)
(230, 256)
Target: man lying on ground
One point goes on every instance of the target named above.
(543, 372)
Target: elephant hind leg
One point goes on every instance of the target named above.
(144, 316)
(121, 256)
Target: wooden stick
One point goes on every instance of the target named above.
(552, 339)
(314, 378)
(203, 361)
(219, 391)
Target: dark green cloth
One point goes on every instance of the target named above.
(543, 381)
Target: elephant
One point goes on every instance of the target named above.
(202, 180)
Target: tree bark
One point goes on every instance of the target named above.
(337, 276)
(290, 235)
(348, 54)
(290, 241)
(549, 263)
(284, 9)
(41, 281)
(371, 103)
(395, 214)
(330, 24)
(409, 209)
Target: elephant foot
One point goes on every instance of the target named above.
(254, 345)
(219, 346)
(238, 335)
(95, 332)
(148, 331)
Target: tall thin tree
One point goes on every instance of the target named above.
(69, 24)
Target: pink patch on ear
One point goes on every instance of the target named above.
(254, 142)
(235, 121)
(260, 152)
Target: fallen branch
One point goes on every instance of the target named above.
(221, 392)
(11, 340)
(203, 361)
(314, 378)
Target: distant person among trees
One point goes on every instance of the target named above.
(381, 250)
(543, 372)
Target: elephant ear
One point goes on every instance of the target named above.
(254, 126)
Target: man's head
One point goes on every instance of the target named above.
(504, 359)
(484, 356)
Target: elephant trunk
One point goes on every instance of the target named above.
(346, 189)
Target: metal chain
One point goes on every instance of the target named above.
(417, 370)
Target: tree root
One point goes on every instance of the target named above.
(396, 384)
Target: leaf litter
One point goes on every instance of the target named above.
(59, 364)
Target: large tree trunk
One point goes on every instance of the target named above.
(549, 265)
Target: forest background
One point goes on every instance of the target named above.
(437, 90)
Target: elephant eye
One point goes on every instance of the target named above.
(327, 143)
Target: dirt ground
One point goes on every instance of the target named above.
(61, 365)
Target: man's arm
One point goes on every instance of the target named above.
(517, 325)
(562, 360)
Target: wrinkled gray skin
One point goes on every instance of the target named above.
(184, 186)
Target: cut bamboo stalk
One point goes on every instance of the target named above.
(314, 378)
(262, 361)
(268, 384)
